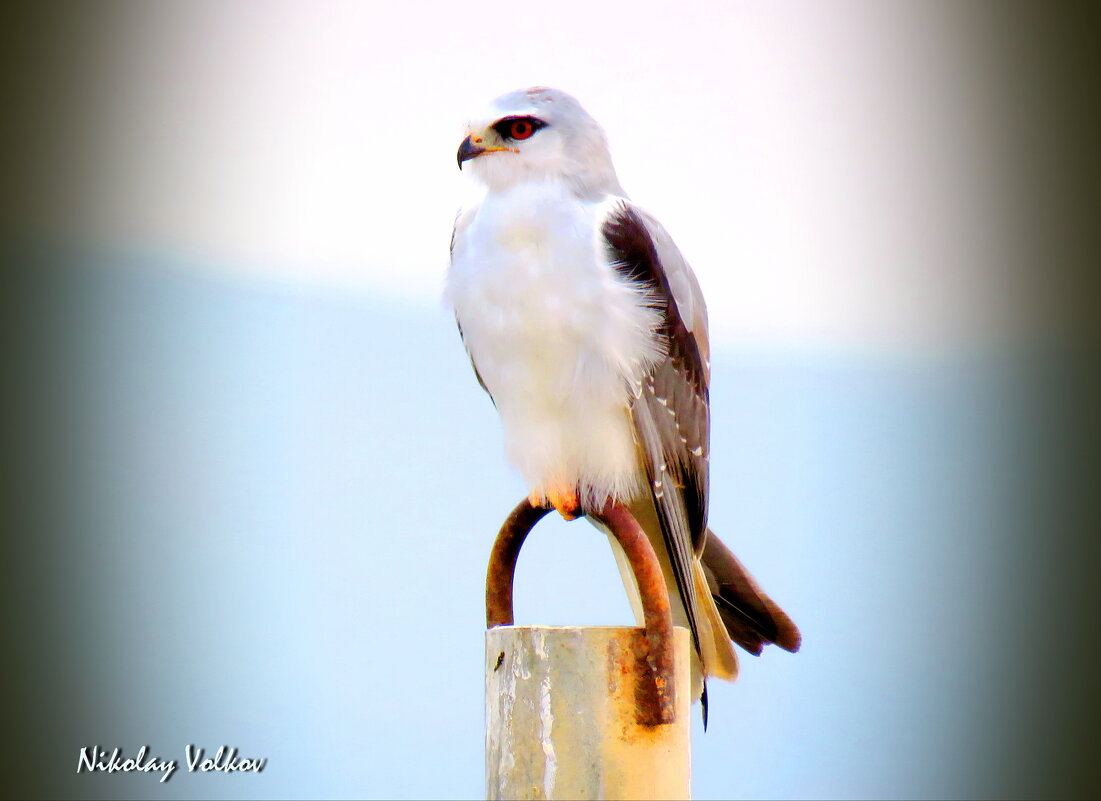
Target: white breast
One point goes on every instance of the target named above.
(559, 339)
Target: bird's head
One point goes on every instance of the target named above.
(539, 134)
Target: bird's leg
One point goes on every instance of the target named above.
(559, 494)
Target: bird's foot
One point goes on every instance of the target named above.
(562, 497)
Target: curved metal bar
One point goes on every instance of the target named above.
(656, 702)
(502, 562)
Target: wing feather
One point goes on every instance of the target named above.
(672, 416)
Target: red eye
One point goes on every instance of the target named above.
(520, 129)
(516, 128)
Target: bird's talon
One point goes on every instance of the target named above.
(565, 501)
(571, 513)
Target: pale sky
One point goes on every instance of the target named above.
(822, 166)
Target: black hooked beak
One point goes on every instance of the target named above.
(468, 150)
(472, 146)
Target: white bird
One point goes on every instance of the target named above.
(589, 332)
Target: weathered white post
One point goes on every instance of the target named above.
(562, 722)
(585, 712)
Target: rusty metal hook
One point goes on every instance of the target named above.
(656, 704)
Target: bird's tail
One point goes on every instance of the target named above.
(732, 606)
(716, 652)
(752, 619)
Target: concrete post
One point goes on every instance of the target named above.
(563, 716)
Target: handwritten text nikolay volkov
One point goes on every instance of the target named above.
(95, 759)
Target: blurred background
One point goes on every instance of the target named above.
(251, 481)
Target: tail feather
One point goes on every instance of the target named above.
(719, 658)
(752, 619)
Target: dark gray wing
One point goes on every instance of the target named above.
(672, 415)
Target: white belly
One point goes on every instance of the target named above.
(558, 338)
